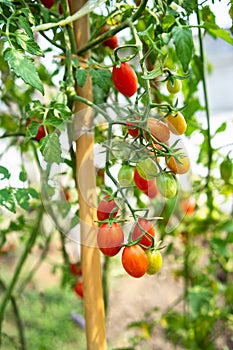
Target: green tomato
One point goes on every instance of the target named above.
(226, 169)
(155, 261)
(125, 175)
(173, 85)
(120, 150)
(167, 185)
(147, 169)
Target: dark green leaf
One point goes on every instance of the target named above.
(156, 72)
(33, 193)
(51, 148)
(102, 78)
(7, 200)
(219, 246)
(23, 175)
(183, 41)
(221, 128)
(25, 25)
(81, 76)
(4, 172)
(27, 43)
(23, 67)
(22, 198)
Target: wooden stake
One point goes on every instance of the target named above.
(86, 180)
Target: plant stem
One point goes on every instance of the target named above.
(210, 149)
(19, 267)
(18, 318)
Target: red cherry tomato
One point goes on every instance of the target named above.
(76, 269)
(41, 130)
(110, 238)
(152, 190)
(78, 288)
(106, 207)
(134, 260)
(125, 79)
(145, 229)
(141, 183)
(48, 3)
(112, 43)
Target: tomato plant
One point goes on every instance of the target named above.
(125, 79)
(145, 230)
(110, 238)
(134, 260)
(226, 169)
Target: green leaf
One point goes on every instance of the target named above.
(81, 76)
(23, 175)
(7, 200)
(5, 173)
(168, 21)
(219, 246)
(102, 78)
(22, 198)
(32, 129)
(25, 25)
(215, 30)
(27, 43)
(199, 301)
(33, 193)
(23, 67)
(51, 148)
(183, 42)
(221, 128)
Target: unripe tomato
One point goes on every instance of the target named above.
(145, 229)
(158, 129)
(112, 43)
(134, 260)
(167, 185)
(125, 175)
(178, 168)
(105, 207)
(147, 169)
(48, 3)
(155, 261)
(78, 288)
(110, 238)
(226, 169)
(177, 123)
(76, 269)
(173, 85)
(125, 79)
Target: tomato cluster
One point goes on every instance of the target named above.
(76, 271)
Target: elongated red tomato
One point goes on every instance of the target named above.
(110, 238)
(112, 43)
(106, 207)
(134, 260)
(78, 288)
(145, 229)
(141, 183)
(125, 79)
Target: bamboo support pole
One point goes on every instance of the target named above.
(86, 180)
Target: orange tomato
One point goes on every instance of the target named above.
(179, 168)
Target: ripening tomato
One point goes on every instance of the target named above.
(134, 260)
(179, 168)
(78, 288)
(155, 261)
(145, 229)
(158, 129)
(112, 43)
(173, 85)
(176, 123)
(152, 190)
(48, 3)
(41, 129)
(110, 238)
(141, 183)
(167, 185)
(132, 129)
(76, 269)
(125, 79)
(188, 206)
(106, 207)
